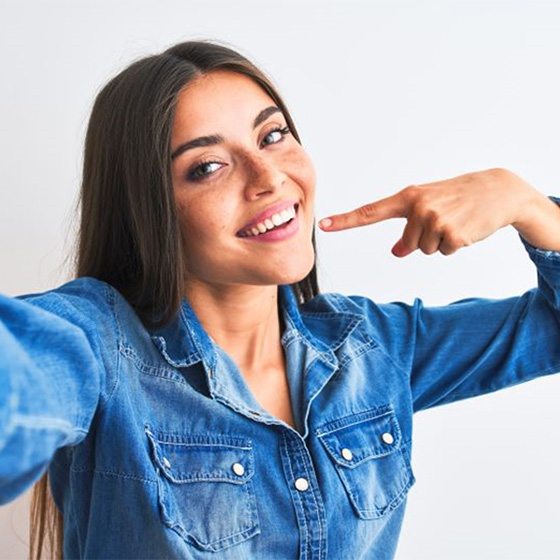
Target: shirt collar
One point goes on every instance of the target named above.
(184, 342)
(324, 331)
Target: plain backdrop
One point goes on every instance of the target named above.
(385, 94)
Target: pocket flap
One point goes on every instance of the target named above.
(202, 458)
(356, 438)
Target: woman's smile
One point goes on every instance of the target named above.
(280, 226)
(280, 232)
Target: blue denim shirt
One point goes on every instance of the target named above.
(157, 448)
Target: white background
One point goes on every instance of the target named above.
(385, 94)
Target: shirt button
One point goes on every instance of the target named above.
(301, 484)
(238, 469)
(166, 462)
(387, 438)
(347, 454)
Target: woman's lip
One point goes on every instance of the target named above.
(289, 230)
(274, 209)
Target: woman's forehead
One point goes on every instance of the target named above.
(219, 99)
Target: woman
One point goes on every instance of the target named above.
(191, 392)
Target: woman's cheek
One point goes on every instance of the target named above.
(302, 169)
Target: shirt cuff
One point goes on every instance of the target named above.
(542, 256)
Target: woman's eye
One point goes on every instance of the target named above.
(206, 168)
(277, 134)
(202, 170)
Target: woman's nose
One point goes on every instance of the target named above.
(262, 176)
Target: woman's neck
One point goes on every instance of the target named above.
(243, 320)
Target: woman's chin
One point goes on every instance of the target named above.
(295, 273)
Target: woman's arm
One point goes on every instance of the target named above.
(52, 372)
(475, 345)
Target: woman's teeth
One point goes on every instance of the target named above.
(270, 223)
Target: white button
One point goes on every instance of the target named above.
(387, 438)
(347, 454)
(166, 462)
(238, 469)
(301, 484)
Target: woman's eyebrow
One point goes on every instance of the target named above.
(214, 139)
(264, 114)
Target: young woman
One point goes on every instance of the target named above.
(191, 392)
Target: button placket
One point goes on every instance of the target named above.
(307, 500)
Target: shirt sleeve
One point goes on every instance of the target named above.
(474, 346)
(52, 377)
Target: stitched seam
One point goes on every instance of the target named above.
(357, 352)
(395, 363)
(110, 297)
(351, 326)
(197, 342)
(212, 439)
(188, 360)
(329, 314)
(203, 445)
(73, 505)
(164, 376)
(150, 369)
(363, 414)
(214, 544)
(379, 512)
(310, 347)
(115, 474)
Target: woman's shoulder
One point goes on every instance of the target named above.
(92, 304)
(84, 295)
(361, 305)
(359, 322)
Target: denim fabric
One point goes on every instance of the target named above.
(157, 448)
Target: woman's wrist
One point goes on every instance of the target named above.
(539, 222)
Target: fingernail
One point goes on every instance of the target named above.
(325, 222)
(397, 249)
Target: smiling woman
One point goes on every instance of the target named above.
(190, 393)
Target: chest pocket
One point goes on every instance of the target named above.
(368, 453)
(205, 490)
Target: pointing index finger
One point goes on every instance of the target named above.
(393, 206)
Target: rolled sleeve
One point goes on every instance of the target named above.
(548, 267)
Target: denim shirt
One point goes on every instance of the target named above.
(157, 448)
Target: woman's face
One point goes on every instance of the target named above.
(240, 161)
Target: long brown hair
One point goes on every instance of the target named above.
(129, 235)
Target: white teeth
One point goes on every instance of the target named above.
(270, 223)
